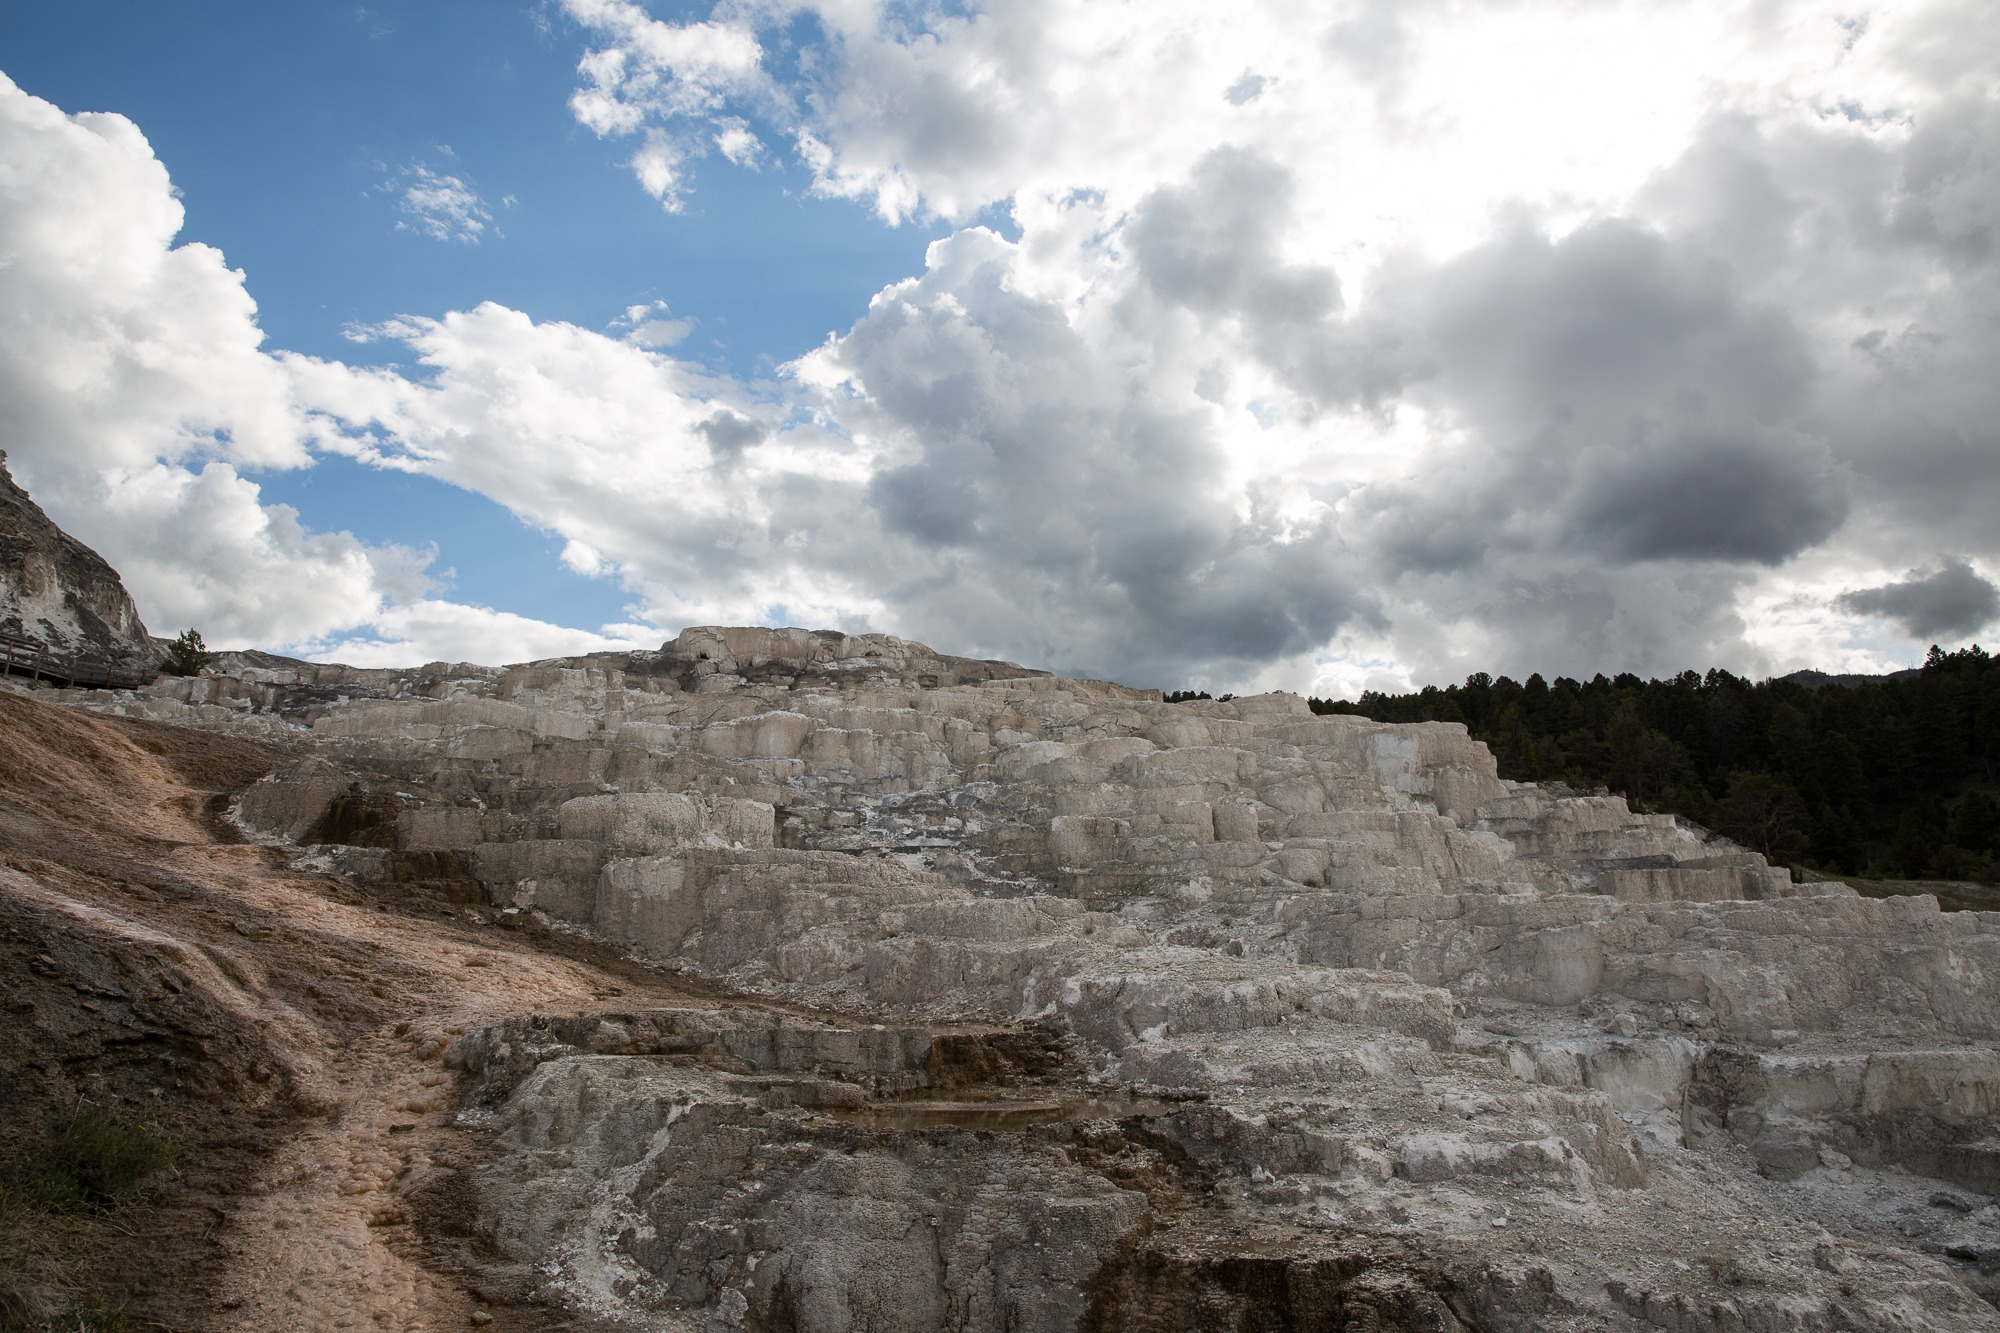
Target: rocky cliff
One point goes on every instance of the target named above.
(1046, 1004)
(59, 592)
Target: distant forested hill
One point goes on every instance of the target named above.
(1890, 777)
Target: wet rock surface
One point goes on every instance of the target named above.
(1045, 1004)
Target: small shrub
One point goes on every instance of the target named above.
(187, 655)
(94, 1162)
(89, 1314)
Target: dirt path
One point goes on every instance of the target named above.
(287, 1030)
(324, 1241)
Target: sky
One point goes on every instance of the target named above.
(1358, 345)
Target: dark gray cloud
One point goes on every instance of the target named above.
(1212, 245)
(1622, 400)
(1417, 529)
(729, 434)
(934, 503)
(1614, 321)
(1759, 497)
(1950, 600)
(1049, 505)
(1885, 242)
(1647, 416)
(1625, 401)
(1636, 442)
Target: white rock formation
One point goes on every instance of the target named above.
(1137, 1014)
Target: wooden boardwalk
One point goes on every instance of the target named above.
(28, 657)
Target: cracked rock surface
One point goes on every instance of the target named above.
(1045, 1004)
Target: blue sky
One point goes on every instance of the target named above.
(279, 123)
(1328, 348)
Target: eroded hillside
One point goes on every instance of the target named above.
(961, 996)
(283, 1029)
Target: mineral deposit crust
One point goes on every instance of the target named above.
(1108, 1012)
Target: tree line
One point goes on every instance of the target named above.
(1890, 777)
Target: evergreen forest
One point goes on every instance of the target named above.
(1890, 777)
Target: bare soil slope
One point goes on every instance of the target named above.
(283, 1030)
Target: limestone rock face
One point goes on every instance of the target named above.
(59, 592)
(1060, 1006)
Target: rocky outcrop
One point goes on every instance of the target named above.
(57, 591)
(1101, 1011)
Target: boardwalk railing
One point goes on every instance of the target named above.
(27, 657)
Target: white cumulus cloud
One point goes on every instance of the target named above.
(137, 404)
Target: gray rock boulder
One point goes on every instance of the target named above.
(59, 592)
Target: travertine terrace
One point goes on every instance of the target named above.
(1044, 1004)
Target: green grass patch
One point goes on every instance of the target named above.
(94, 1161)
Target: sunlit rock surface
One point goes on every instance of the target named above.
(1104, 1012)
(57, 592)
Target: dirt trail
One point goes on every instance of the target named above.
(323, 1241)
(287, 1030)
